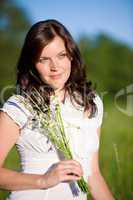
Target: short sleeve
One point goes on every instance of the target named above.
(99, 114)
(16, 110)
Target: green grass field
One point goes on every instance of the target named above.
(115, 153)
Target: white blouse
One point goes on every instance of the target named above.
(38, 154)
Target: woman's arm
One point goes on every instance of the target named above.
(12, 180)
(97, 184)
(9, 179)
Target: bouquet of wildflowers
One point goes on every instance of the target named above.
(51, 121)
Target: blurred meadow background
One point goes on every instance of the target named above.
(104, 33)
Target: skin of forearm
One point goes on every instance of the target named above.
(12, 180)
(99, 188)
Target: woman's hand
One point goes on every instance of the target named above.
(66, 170)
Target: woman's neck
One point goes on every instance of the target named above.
(60, 94)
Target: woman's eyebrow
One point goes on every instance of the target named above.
(63, 51)
(45, 57)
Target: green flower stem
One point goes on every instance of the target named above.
(60, 122)
(81, 183)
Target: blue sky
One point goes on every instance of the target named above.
(113, 17)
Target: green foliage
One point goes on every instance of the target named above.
(116, 151)
(108, 62)
(13, 26)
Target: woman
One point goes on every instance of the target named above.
(50, 62)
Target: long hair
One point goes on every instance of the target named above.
(40, 35)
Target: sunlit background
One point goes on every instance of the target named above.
(103, 31)
(112, 17)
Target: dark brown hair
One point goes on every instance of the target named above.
(40, 35)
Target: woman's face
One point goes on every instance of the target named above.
(54, 65)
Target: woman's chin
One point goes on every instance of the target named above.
(57, 87)
(57, 90)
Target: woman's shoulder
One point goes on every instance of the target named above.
(15, 98)
(18, 101)
(15, 107)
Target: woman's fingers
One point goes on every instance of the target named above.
(66, 170)
(75, 167)
(72, 170)
(71, 178)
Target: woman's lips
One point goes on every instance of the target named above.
(56, 76)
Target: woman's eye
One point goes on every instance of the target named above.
(62, 55)
(43, 60)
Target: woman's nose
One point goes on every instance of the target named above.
(54, 65)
